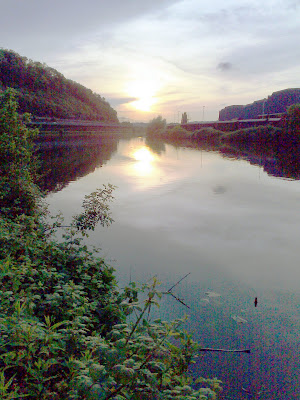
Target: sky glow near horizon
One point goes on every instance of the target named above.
(162, 57)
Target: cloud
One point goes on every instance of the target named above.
(271, 55)
(53, 24)
(73, 15)
(231, 17)
(293, 4)
(224, 66)
(117, 101)
(219, 189)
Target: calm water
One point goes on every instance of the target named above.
(234, 227)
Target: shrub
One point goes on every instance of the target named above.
(18, 194)
(142, 360)
(177, 132)
(156, 127)
(259, 134)
(210, 135)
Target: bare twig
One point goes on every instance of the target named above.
(225, 350)
(58, 226)
(177, 298)
(177, 283)
(173, 295)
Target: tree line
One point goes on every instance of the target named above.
(45, 92)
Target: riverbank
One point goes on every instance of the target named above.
(262, 134)
(266, 136)
(276, 150)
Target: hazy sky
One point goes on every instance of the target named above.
(151, 57)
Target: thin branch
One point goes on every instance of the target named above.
(226, 351)
(177, 298)
(172, 294)
(58, 226)
(177, 283)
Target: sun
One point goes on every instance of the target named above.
(143, 88)
(143, 104)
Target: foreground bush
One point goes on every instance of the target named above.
(63, 329)
(18, 194)
(53, 295)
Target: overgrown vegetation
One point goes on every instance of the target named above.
(210, 135)
(156, 126)
(64, 329)
(266, 135)
(256, 135)
(177, 132)
(260, 134)
(18, 194)
(293, 120)
(44, 92)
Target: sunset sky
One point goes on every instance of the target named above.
(162, 57)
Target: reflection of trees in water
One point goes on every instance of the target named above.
(281, 160)
(278, 157)
(157, 146)
(62, 162)
(288, 159)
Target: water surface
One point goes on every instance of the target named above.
(226, 221)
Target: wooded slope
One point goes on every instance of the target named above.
(45, 92)
(278, 102)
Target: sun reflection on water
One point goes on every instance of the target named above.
(144, 161)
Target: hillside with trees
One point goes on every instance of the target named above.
(278, 102)
(45, 92)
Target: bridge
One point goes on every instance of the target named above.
(70, 125)
(234, 125)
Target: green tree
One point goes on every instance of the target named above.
(156, 126)
(18, 193)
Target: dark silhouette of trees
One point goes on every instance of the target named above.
(293, 118)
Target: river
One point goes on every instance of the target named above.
(229, 220)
